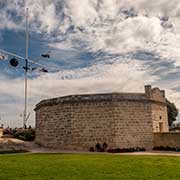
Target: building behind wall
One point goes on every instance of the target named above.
(121, 120)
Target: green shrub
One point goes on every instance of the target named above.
(25, 134)
(13, 151)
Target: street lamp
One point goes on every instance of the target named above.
(14, 62)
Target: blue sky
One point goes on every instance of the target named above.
(96, 46)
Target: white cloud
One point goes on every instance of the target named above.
(97, 24)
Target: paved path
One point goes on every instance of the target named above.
(36, 149)
(12, 140)
(148, 153)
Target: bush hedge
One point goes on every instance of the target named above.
(166, 148)
(103, 148)
(25, 134)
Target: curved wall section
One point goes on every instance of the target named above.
(122, 120)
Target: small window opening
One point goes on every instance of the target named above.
(160, 127)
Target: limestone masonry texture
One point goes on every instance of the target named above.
(167, 139)
(122, 120)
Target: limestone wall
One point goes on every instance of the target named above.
(159, 118)
(74, 125)
(1, 132)
(119, 119)
(171, 139)
(159, 109)
(133, 124)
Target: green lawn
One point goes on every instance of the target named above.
(88, 167)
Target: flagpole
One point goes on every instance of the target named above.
(27, 67)
(26, 71)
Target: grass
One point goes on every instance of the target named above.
(88, 167)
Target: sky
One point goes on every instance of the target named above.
(97, 46)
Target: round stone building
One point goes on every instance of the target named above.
(122, 120)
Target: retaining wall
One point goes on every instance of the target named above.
(171, 139)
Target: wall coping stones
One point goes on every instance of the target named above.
(107, 97)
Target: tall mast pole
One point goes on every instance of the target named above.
(26, 70)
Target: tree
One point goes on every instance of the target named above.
(172, 112)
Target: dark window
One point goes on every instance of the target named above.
(160, 127)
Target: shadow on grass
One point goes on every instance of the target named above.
(13, 151)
